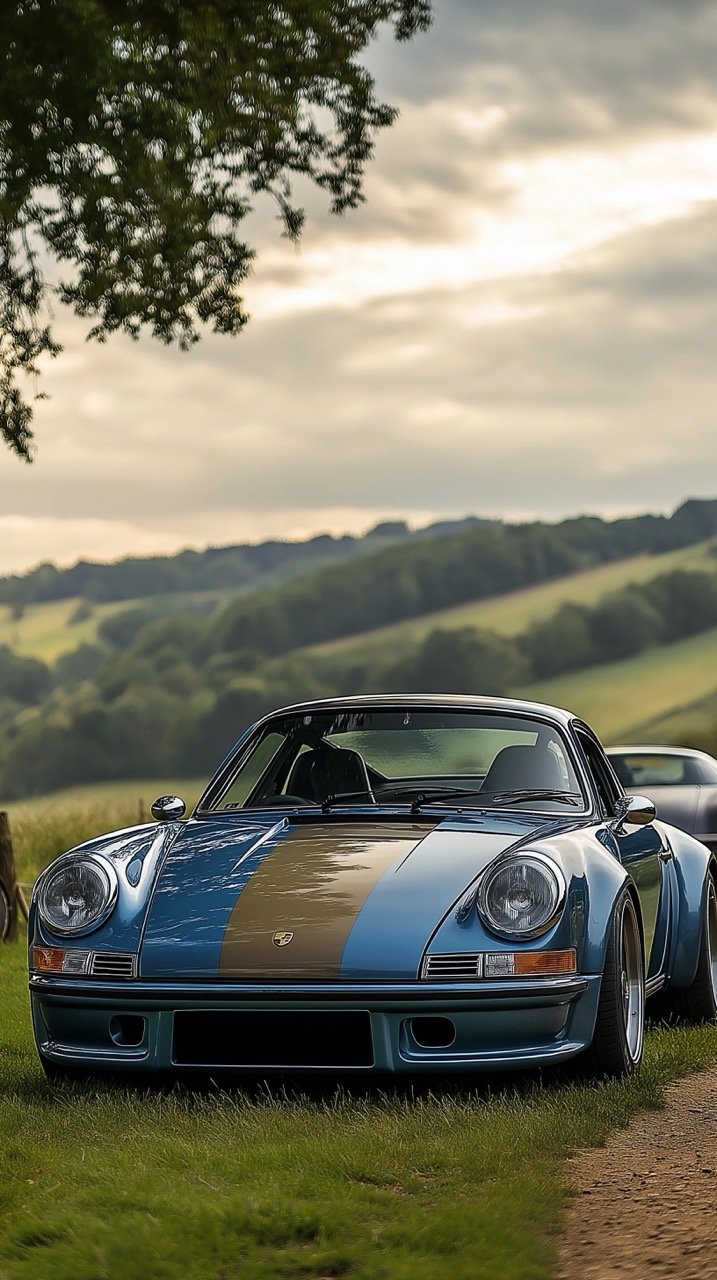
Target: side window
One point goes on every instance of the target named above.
(248, 776)
(607, 787)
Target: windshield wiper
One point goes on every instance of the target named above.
(434, 794)
(516, 794)
(330, 801)
(424, 796)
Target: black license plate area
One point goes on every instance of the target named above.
(272, 1038)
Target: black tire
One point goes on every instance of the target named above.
(698, 1002)
(617, 1044)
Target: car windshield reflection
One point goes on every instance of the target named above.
(414, 757)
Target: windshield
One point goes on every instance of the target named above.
(416, 757)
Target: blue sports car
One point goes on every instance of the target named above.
(400, 883)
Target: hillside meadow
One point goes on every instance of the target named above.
(517, 611)
(657, 693)
(50, 824)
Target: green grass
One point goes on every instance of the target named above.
(48, 825)
(99, 1182)
(516, 611)
(45, 631)
(630, 699)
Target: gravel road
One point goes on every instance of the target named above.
(647, 1202)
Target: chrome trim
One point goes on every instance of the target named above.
(113, 964)
(168, 809)
(453, 966)
(632, 991)
(112, 895)
(497, 865)
(653, 985)
(636, 810)
(174, 995)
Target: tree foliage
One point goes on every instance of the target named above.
(134, 137)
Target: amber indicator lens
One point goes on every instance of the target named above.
(546, 962)
(60, 960)
(506, 964)
(48, 959)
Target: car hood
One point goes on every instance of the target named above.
(315, 899)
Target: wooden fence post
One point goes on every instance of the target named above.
(9, 890)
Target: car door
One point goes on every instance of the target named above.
(640, 849)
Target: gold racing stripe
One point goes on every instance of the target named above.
(312, 886)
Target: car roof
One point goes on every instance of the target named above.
(453, 701)
(655, 749)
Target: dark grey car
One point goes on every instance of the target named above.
(682, 784)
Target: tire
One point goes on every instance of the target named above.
(617, 1044)
(698, 1002)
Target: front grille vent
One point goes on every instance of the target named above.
(453, 966)
(113, 964)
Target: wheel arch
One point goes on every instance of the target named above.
(693, 862)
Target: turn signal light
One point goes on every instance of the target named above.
(60, 960)
(503, 964)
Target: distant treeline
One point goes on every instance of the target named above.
(178, 697)
(407, 581)
(217, 568)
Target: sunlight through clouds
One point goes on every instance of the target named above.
(519, 320)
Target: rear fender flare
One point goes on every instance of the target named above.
(692, 861)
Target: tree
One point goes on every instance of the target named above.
(134, 136)
(464, 660)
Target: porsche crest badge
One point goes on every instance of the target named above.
(282, 939)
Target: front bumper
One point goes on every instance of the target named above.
(491, 1025)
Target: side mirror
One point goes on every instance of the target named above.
(637, 810)
(168, 809)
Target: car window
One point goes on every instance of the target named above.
(256, 765)
(655, 769)
(606, 785)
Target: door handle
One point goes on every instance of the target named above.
(665, 855)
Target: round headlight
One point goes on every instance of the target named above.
(78, 895)
(521, 896)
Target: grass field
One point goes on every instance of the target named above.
(48, 825)
(45, 631)
(644, 695)
(516, 611)
(99, 1183)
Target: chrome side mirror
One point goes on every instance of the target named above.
(168, 809)
(637, 810)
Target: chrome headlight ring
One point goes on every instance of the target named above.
(523, 885)
(77, 894)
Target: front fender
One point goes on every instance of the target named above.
(595, 878)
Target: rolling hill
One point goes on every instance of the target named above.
(177, 675)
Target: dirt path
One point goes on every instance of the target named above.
(647, 1204)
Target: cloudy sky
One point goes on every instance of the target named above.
(519, 322)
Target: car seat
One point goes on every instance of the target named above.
(524, 766)
(327, 771)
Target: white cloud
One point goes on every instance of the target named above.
(519, 321)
